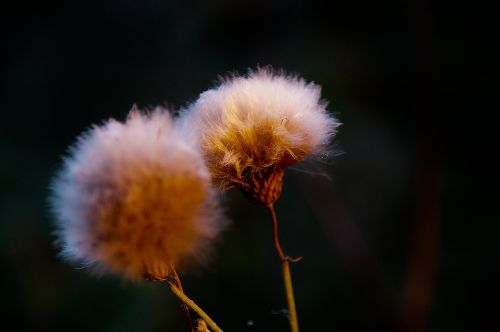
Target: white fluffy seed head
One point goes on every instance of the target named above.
(135, 198)
(250, 123)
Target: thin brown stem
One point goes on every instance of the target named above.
(287, 277)
(184, 306)
(190, 303)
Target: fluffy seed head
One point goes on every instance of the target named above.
(251, 127)
(135, 198)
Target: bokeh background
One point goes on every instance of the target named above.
(395, 232)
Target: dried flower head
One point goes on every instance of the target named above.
(251, 128)
(135, 198)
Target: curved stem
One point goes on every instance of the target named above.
(192, 305)
(185, 308)
(287, 277)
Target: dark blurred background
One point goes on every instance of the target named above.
(399, 238)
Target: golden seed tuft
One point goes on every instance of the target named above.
(135, 198)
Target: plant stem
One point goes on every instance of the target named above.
(285, 267)
(185, 308)
(192, 305)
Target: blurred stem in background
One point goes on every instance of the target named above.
(285, 267)
(422, 273)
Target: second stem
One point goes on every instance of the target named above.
(287, 277)
(190, 303)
